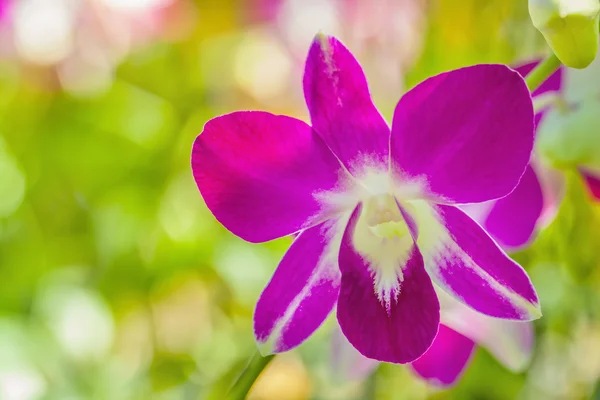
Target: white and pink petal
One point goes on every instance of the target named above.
(465, 262)
(510, 342)
(303, 290)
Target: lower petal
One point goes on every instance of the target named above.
(510, 342)
(465, 262)
(303, 289)
(346, 362)
(395, 329)
(446, 359)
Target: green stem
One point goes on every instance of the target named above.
(242, 386)
(542, 72)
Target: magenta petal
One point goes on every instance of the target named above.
(302, 292)
(593, 184)
(512, 219)
(463, 260)
(258, 174)
(465, 135)
(446, 359)
(341, 109)
(398, 334)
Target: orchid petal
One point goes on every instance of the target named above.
(466, 135)
(395, 328)
(341, 109)
(512, 220)
(347, 363)
(303, 290)
(464, 261)
(446, 359)
(510, 342)
(261, 174)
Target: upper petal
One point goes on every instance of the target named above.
(466, 135)
(464, 261)
(397, 328)
(261, 174)
(512, 220)
(340, 106)
(446, 359)
(303, 289)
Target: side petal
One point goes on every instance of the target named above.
(512, 220)
(395, 329)
(340, 106)
(464, 136)
(303, 289)
(260, 174)
(510, 342)
(346, 362)
(464, 261)
(446, 359)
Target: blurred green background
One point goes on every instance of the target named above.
(115, 280)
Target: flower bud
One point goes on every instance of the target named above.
(570, 27)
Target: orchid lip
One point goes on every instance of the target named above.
(382, 237)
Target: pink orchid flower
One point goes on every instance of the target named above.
(375, 208)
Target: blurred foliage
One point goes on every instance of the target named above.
(117, 282)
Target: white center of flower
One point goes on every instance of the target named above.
(383, 239)
(383, 217)
(382, 236)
